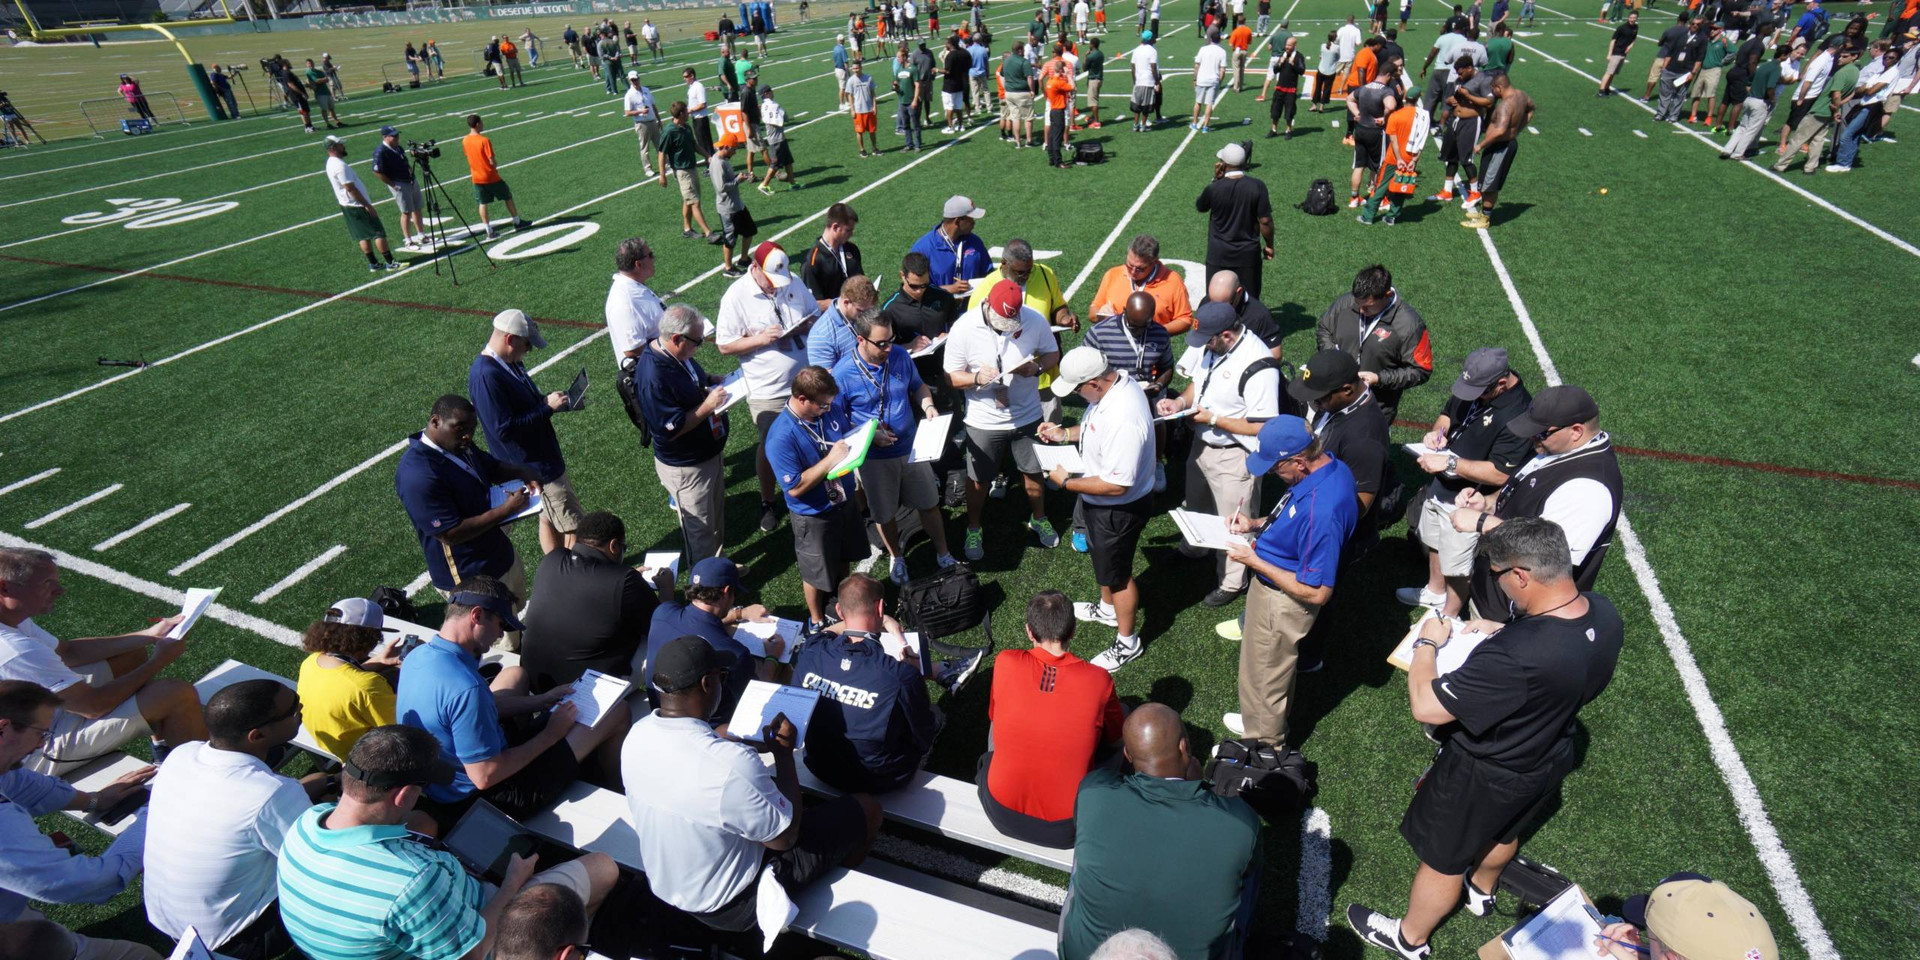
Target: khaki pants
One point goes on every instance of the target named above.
(1813, 129)
(1269, 651)
(700, 493)
(1217, 482)
(515, 579)
(1239, 69)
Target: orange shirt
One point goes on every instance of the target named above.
(1241, 38)
(508, 50)
(1399, 127)
(1168, 290)
(1365, 64)
(1059, 92)
(480, 158)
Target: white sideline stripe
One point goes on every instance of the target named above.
(93, 497)
(42, 475)
(419, 583)
(1315, 904)
(99, 571)
(141, 527)
(368, 463)
(305, 570)
(1767, 172)
(1773, 854)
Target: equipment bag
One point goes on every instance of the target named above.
(944, 603)
(630, 398)
(1319, 201)
(393, 602)
(1288, 405)
(1532, 883)
(1276, 781)
(1089, 153)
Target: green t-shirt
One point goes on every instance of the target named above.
(1499, 53)
(317, 78)
(1765, 79)
(1096, 64)
(1717, 53)
(1037, 30)
(1842, 84)
(903, 80)
(1017, 74)
(677, 143)
(1167, 855)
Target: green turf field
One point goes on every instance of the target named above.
(1729, 321)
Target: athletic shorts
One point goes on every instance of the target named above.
(76, 741)
(689, 182)
(1706, 83)
(1206, 94)
(782, 156)
(1496, 162)
(559, 504)
(986, 449)
(953, 101)
(406, 197)
(827, 541)
(323, 97)
(362, 225)
(536, 787)
(1464, 805)
(1113, 536)
(1367, 147)
(865, 122)
(492, 192)
(1453, 548)
(893, 483)
(1142, 100)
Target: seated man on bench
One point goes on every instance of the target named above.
(110, 688)
(712, 612)
(874, 724)
(520, 769)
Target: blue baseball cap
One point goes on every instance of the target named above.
(1282, 437)
(389, 131)
(1146, 34)
(715, 572)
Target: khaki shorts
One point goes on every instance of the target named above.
(1659, 64)
(1093, 93)
(689, 182)
(571, 875)
(894, 483)
(765, 412)
(1613, 64)
(1707, 83)
(1021, 105)
(559, 504)
(1455, 549)
(76, 741)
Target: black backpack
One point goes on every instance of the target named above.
(945, 603)
(1085, 152)
(393, 602)
(1276, 781)
(1288, 405)
(630, 398)
(1531, 882)
(1319, 201)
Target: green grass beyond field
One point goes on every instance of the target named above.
(1741, 332)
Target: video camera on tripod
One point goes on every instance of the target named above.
(421, 153)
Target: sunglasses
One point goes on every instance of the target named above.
(1499, 572)
(696, 341)
(1548, 432)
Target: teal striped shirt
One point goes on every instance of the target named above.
(374, 893)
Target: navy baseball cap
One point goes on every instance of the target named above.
(1282, 437)
(389, 131)
(684, 660)
(498, 606)
(715, 572)
(1211, 320)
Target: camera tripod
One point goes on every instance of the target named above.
(434, 190)
(18, 121)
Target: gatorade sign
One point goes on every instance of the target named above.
(733, 125)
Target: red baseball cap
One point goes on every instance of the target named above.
(772, 261)
(1005, 299)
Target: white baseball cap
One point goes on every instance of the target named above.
(1080, 365)
(519, 324)
(961, 207)
(633, 74)
(359, 612)
(1233, 155)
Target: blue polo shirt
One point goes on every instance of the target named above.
(515, 414)
(438, 491)
(830, 339)
(979, 55)
(673, 620)
(874, 723)
(441, 691)
(794, 447)
(1309, 526)
(883, 392)
(839, 56)
(966, 260)
(669, 391)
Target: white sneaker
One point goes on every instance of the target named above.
(1096, 613)
(1113, 658)
(1420, 597)
(897, 570)
(1836, 168)
(650, 173)
(1159, 478)
(1232, 722)
(1479, 904)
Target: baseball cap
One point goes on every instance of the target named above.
(427, 767)
(359, 612)
(715, 572)
(1702, 919)
(1282, 437)
(1146, 35)
(500, 607)
(519, 324)
(1212, 319)
(1482, 368)
(1561, 406)
(961, 207)
(771, 258)
(1324, 372)
(333, 141)
(1080, 365)
(1233, 155)
(633, 74)
(1005, 301)
(389, 131)
(684, 660)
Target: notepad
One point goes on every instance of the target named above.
(594, 694)
(754, 636)
(858, 443)
(577, 392)
(930, 440)
(192, 606)
(657, 560)
(500, 492)
(896, 644)
(191, 947)
(1421, 450)
(932, 347)
(1053, 455)
(1207, 531)
(1565, 929)
(736, 387)
(1448, 658)
(761, 702)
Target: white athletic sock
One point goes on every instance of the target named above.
(1128, 642)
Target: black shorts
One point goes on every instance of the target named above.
(536, 787)
(1113, 536)
(738, 226)
(1367, 147)
(829, 832)
(1055, 834)
(1464, 805)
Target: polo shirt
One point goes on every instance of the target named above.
(32, 868)
(746, 310)
(669, 391)
(515, 415)
(972, 345)
(929, 316)
(587, 611)
(874, 723)
(1042, 291)
(1842, 83)
(1218, 387)
(976, 60)
(1255, 315)
(881, 392)
(1766, 81)
(1718, 50)
(1095, 63)
(1499, 53)
(641, 102)
(1446, 49)
(673, 619)
(1144, 355)
(948, 261)
(1687, 51)
(1172, 308)
(1236, 205)
(1306, 530)
(794, 447)
(214, 828)
(1241, 37)
(633, 315)
(702, 807)
(1516, 695)
(338, 705)
(830, 339)
(1116, 443)
(1477, 430)
(27, 652)
(824, 269)
(439, 490)
(393, 163)
(441, 691)
(1167, 856)
(375, 893)
(1049, 715)
(1357, 436)
(679, 147)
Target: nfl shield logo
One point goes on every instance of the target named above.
(846, 664)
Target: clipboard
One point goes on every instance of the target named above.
(930, 440)
(500, 492)
(858, 443)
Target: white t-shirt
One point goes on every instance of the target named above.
(745, 311)
(1080, 13)
(1216, 388)
(1154, 12)
(633, 315)
(1350, 40)
(214, 828)
(973, 346)
(1209, 65)
(1116, 442)
(338, 176)
(648, 31)
(702, 807)
(27, 653)
(641, 100)
(696, 99)
(1144, 58)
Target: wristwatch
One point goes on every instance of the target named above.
(1453, 466)
(1423, 641)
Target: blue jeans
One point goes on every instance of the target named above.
(909, 121)
(1849, 147)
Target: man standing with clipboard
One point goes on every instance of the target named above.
(519, 421)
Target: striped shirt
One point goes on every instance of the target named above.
(374, 893)
(1144, 355)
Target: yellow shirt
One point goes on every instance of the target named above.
(340, 703)
(1043, 295)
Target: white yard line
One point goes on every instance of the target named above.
(1315, 903)
(1773, 854)
(29, 481)
(419, 583)
(99, 571)
(141, 527)
(305, 570)
(91, 498)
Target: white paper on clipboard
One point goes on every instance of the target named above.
(196, 602)
(930, 439)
